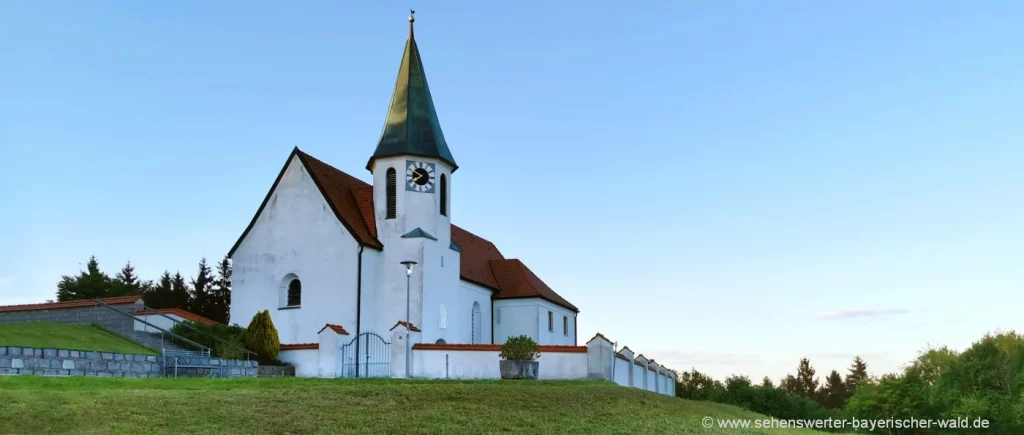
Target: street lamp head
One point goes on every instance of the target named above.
(408, 267)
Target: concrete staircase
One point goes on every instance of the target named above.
(152, 340)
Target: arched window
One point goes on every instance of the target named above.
(294, 293)
(478, 322)
(440, 341)
(442, 317)
(444, 195)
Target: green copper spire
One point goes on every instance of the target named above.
(412, 127)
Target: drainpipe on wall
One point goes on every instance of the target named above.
(575, 329)
(615, 351)
(359, 304)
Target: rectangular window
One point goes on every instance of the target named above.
(497, 316)
(551, 321)
(565, 326)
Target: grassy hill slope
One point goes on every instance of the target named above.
(67, 336)
(30, 404)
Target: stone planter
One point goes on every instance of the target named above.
(519, 369)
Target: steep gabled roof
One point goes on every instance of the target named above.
(340, 190)
(476, 256)
(345, 194)
(518, 281)
(480, 261)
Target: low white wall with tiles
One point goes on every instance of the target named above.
(485, 364)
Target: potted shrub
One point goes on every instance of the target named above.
(519, 358)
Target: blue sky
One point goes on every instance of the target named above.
(729, 186)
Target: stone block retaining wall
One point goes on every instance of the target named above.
(64, 362)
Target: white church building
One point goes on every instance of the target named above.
(324, 254)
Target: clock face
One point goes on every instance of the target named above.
(419, 176)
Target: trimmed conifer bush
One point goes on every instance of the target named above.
(261, 336)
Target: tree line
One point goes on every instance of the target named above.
(985, 381)
(207, 294)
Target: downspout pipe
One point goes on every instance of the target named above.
(575, 329)
(359, 303)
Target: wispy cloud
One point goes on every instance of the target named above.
(871, 313)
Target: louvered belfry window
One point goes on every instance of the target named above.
(444, 195)
(390, 191)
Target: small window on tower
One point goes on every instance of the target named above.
(444, 195)
(565, 326)
(390, 189)
(551, 321)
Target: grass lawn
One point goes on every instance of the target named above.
(32, 404)
(67, 336)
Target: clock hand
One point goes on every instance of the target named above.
(416, 176)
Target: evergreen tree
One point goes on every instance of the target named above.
(201, 301)
(858, 373)
(88, 284)
(261, 337)
(767, 383)
(834, 393)
(180, 297)
(789, 383)
(160, 294)
(126, 282)
(222, 293)
(805, 384)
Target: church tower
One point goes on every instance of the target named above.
(412, 183)
(412, 166)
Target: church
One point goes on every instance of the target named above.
(327, 250)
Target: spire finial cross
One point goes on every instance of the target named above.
(412, 16)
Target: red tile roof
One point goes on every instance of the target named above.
(518, 281)
(338, 188)
(351, 200)
(116, 300)
(601, 336)
(475, 259)
(187, 315)
(300, 346)
(497, 347)
(336, 328)
(412, 327)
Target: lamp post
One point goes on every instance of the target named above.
(408, 321)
